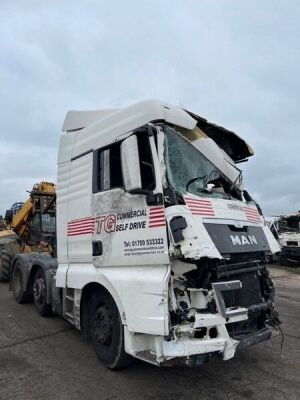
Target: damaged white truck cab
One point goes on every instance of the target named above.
(161, 253)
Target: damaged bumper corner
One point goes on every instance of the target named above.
(253, 338)
(189, 347)
(195, 352)
(215, 339)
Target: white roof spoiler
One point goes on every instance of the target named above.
(76, 120)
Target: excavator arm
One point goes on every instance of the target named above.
(20, 219)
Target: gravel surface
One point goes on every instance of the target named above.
(45, 359)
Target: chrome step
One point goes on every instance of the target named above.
(69, 316)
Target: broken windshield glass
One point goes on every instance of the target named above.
(189, 170)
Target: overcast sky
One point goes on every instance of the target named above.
(235, 62)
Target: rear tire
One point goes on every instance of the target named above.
(107, 331)
(40, 294)
(5, 266)
(17, 284)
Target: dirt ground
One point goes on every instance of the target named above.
(45, 359)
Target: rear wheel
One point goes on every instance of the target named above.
(40, 294)
(17, 284)
(5, 266)
(107, 331)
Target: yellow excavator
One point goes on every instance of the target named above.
(32, 228)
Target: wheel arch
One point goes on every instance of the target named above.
(86, 293)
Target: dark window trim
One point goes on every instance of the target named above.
(82, 154)
(97, 171)
(96, 162)
(152, 161)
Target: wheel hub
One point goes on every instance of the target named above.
(103, 325)
(39, 289)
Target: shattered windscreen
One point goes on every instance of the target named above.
(188, 170)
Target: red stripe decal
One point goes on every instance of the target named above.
(81, 220)
(200, 207)
(157, 217)
(252, 214)
(81, 230)
(198, 202)
(79, 233)
(156, 225)
(81, 226)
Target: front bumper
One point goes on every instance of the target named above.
(195, 352)
(219, 331)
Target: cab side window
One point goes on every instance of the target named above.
(107, 171)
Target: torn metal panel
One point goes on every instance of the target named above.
(214, 153)
(110, 128)
(236, 147)
(197, 242)
(220, 159)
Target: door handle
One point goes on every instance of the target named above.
(97, 248)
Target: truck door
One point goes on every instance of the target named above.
(129, 230)
(130, 241)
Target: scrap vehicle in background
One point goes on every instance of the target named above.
(28, 227)
(4, 224)
(272, 223)
(161, 251)
(288, 227)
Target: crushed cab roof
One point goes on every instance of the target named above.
(156, 110)
(236, 147)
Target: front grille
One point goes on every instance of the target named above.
(248, 295)
(254, 295)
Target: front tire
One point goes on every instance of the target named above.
(107, 331)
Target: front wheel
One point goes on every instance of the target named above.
(107, 331)
(40, 294)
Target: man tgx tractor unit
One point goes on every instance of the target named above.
(161, 252)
